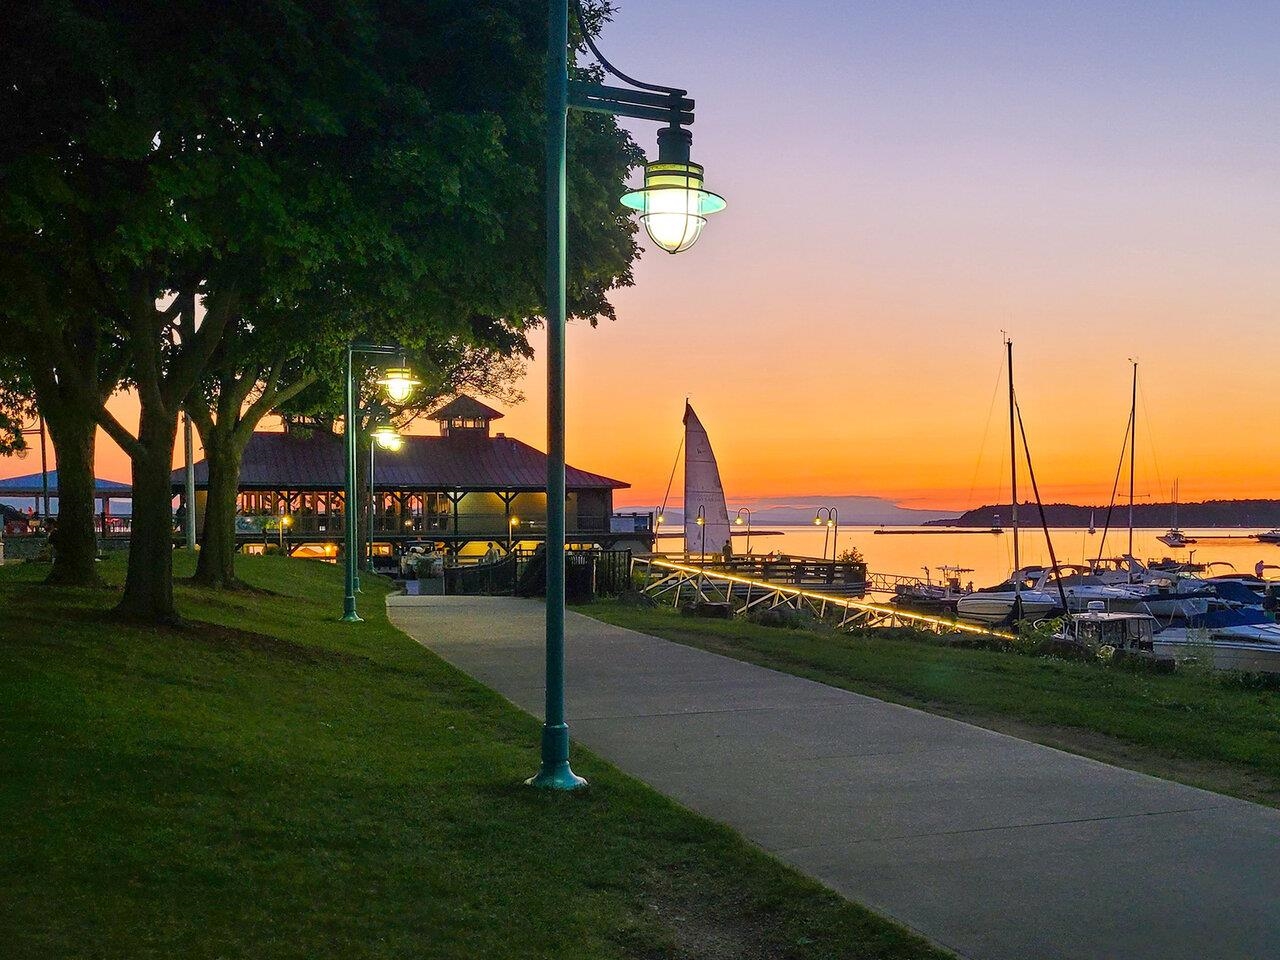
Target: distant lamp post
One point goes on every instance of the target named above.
(833, 529)
(512, 523)
(386, 436)
(396, 382)
(674, 207)
(285, 521)
(738, 521)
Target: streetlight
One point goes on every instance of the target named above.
(673, 206)
(384, 435)
(396, 381)
(833, 521)
(738, 520)
(285, 521)
(511, 526)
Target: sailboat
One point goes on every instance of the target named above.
(1092, 528)
(1175, 537)
(1019, 597)
(706, 515)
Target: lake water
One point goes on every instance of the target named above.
(991, 555)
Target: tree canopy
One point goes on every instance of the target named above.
(204, 188)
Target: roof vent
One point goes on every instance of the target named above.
(502, 436)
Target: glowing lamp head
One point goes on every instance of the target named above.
(661, 518)
(738, 521)
(387, 437)
(673, 205)
(399, 383)
(515, 521)
(701, 521)
(817, 521)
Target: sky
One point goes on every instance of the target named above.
(906, 181)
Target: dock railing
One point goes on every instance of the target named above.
(676, 582)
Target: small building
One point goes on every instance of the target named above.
(34, 487)
(463, 490)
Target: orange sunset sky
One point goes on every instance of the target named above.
(904, 182)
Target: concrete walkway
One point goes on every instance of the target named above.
(990, 846)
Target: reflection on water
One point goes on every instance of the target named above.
(991, 556)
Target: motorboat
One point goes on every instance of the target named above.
(1099, 631)
(1018, 598)
(1169, 596)
(1271, 536)
(1076, 584)
(931, 597)
(1241, 639)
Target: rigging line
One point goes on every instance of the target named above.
(591, 44)
(986, 431)
(1044, 523)
(672, 479)
(1146, 414)
(1115, 488)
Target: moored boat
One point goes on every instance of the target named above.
(1016, 599)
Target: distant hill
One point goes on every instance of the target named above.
(794, 511)
(1210, 513)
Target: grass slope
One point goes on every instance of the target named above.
(270, 783)
(1201, 729)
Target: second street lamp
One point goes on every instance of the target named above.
(386, 436)
(674, 207)
(402, 383)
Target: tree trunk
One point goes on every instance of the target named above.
(75, 547)
(148, 586)
(215, 566)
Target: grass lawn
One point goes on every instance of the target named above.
(268, 782)
(1201, 729)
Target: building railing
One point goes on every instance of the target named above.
(494, 526)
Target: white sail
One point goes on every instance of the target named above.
(702, 489)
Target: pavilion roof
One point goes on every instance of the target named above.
(283, 461)
(30, 486)
(464, 407)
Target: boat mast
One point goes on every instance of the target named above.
(1133, 453)
(1013, 463)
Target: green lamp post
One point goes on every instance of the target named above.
(673, 206)
(398, 383)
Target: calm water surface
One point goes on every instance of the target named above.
(991, 556)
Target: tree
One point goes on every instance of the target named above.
(181, 164)
(16, 407)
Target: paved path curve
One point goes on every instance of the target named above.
(991, 846)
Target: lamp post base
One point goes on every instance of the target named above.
(349, 614)
(556, 777)
(555, 774)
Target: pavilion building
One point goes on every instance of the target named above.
(464, 489)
